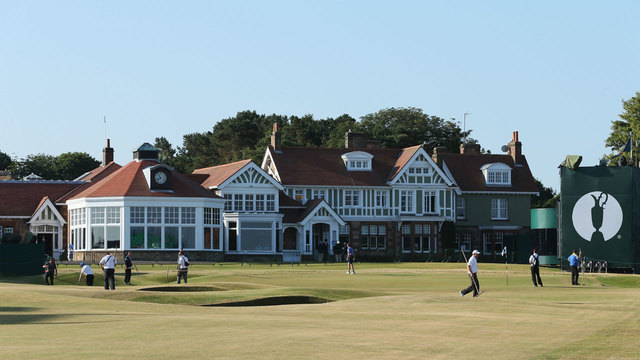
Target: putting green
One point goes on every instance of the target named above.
(385, 311)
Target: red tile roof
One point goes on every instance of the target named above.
(216, 175)
(324, 166)
(130, 181)
(93, 177)
(403, 159)
(466, 172)
(22, 198)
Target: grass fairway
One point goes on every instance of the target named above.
(386, 311)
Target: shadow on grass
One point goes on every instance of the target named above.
(16, 308)
(276, 300)
(40, 319)
(187, 288)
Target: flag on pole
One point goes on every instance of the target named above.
(627, 148)
(504, 251)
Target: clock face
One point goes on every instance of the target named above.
(160, 177)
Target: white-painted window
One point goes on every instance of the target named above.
(430, 202)
(318, 194)
(352, 198)
(461, 208)
(499, 209)
(228, 202)
(260, 202)
(382, 198)
(406, 201)
(271, 202)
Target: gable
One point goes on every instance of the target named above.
(47, 213)
(251, 176)
(421, 170)
(320, 208)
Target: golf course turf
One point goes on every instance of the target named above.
(385, 311)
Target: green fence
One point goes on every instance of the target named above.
(22, 259)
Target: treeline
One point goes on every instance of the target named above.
(246, 135)
(67, 166)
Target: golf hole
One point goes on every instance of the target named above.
(182, 288)
(276, 300)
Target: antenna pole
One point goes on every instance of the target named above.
(105, 129)
(464, 126)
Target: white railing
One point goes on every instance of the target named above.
(291, 256)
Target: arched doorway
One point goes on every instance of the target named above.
(290, 239)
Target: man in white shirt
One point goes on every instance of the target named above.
(108, 264)
(534, 260)
(472, 271)
(183, 266)
(86, 271)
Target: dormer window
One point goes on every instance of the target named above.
(496, 174)
(357, 161)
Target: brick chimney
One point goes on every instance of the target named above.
(469, 149)
(107, 154)
(437, 151)
(515, 148)
(355, 140)
(275, 138)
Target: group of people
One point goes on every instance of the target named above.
(108, 265)
(534, 261)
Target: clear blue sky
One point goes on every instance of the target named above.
(556, 71)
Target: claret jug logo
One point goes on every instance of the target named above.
(597, 216)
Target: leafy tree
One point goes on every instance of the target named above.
(70, 165)
(39, 164)
(5, 161)
(620, 129)
(197, 151)
(404, 127)
(167, 152)
(547, 197)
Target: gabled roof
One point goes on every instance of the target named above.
(314, 206)
(405, 155)
(46, 203)
(129, 180)
(222, 175)
(216, 175)
(90, 178)
(466, 172)
(324, 166)
(22, 198)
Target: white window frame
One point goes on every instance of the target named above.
(382, 198)
(461, 208)
(407, 199)
(499, 209)
(426, 197)
(319, 193)
(353, 197)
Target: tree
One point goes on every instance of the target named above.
(5, 161)
(39, 164)
(547, 197)
(404, 127)
(629, 123)
(167, 153)
(70, 165)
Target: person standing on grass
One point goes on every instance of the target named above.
(472, 271)
(574, 260)
(108, 265)
(70, 252)
(49, 269)
(351, 256)
(183, 266)
(534, 260)
(86, 271)
(128, 264)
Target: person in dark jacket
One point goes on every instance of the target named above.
(49, 269)
(128, 264)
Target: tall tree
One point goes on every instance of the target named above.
(167, 153)
(5, 161)
(547, 197)
(403, 127)
(620, 129)
(40, 164)
(70, 165)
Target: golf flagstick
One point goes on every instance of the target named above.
(471, 275)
